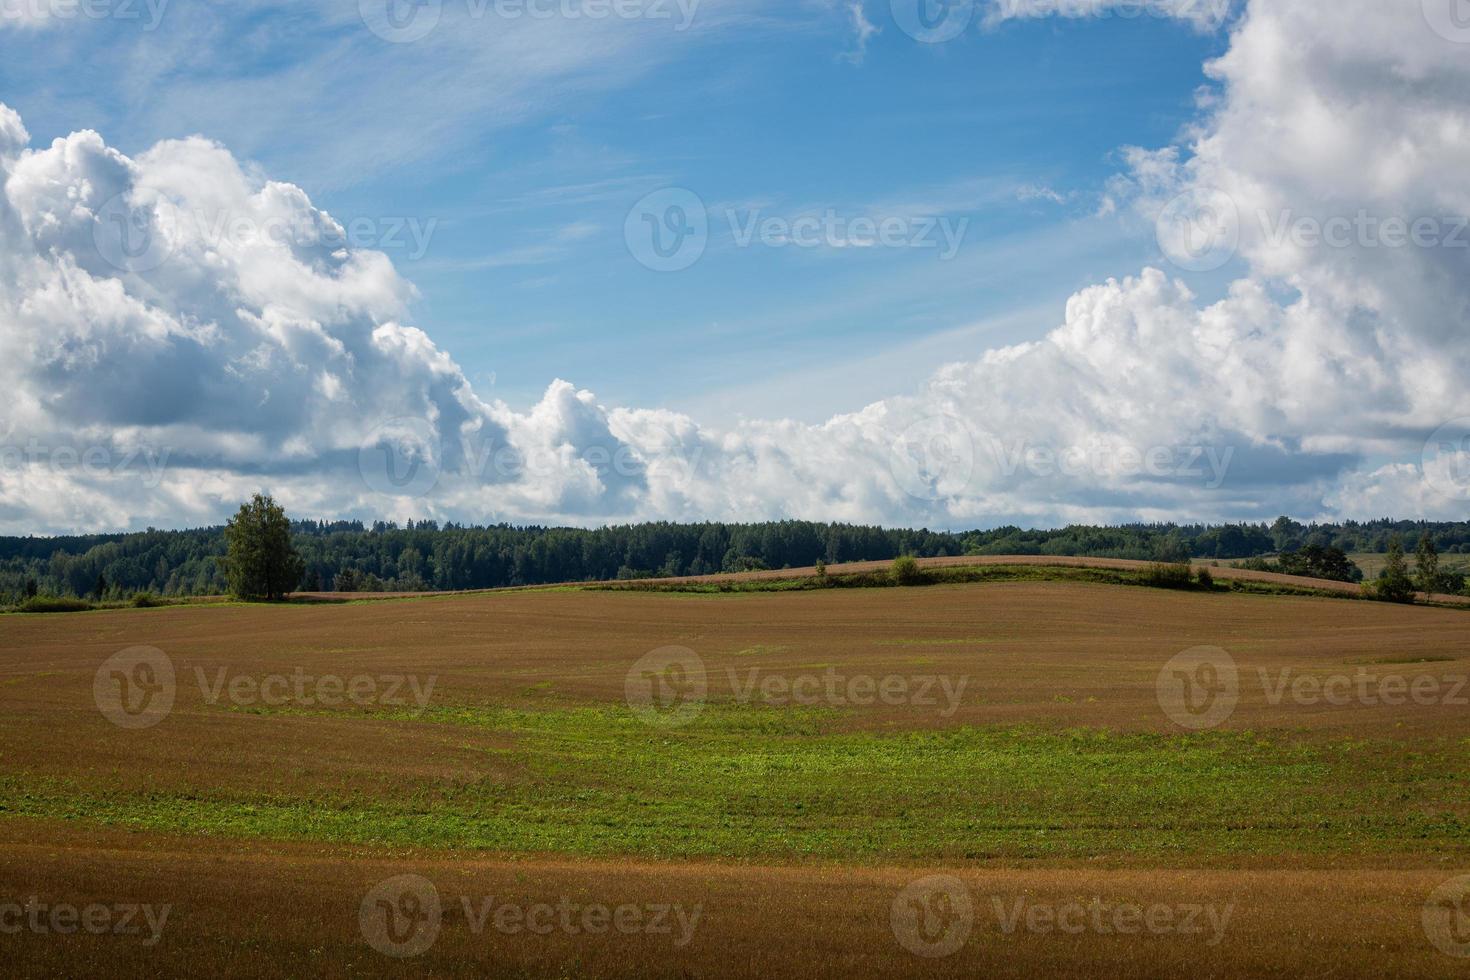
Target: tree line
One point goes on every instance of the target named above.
(382, 556)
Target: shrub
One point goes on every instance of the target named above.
(1390, 590)
(906, 571)
(1169, 575)
(146, 600)
(54, 604)
(1206, 580)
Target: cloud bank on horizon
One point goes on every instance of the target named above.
(179, 330)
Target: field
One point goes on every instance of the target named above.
(1372, 563)
(1021, 776)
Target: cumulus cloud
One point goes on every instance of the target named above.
(205, 331)
(178, 302)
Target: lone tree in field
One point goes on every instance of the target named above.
(1394, 583)
(1426, 565)
(260, 561)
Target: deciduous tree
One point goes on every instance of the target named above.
(260, 561)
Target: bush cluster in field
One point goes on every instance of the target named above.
(65, 604)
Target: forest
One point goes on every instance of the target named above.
(352, 557)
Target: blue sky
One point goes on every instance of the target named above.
(785, 259)
(522, 266)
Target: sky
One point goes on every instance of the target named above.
(950, 263)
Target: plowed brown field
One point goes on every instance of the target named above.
(252, 820)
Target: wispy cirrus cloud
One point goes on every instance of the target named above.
(310, 87)
(1202, 14)
(863, 31)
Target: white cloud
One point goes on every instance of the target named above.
(862, 31)
(270, 359)
(1203, 14)
(20, 14)
(309, 86)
